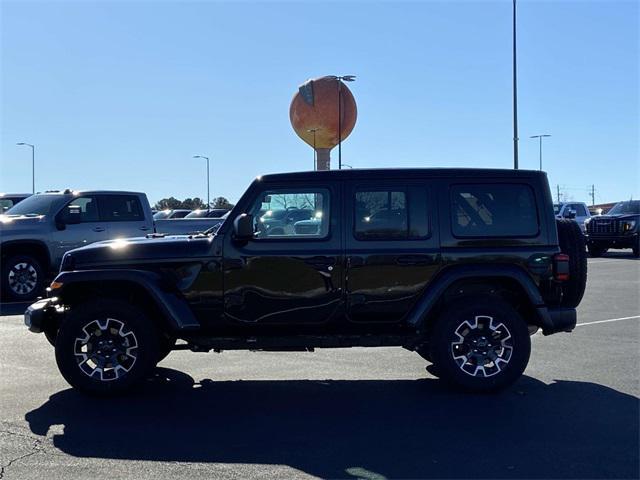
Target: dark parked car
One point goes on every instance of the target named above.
(458, 265)
(212, 213)
(168, 214)
(8, 200)
(619, 228)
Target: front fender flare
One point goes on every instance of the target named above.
(175, 309)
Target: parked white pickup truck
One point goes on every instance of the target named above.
(37, 232)
(575, 210)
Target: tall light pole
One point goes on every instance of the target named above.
(515, 94)
(540, 137)
(340, 79)
(33, 164)
(207, 159)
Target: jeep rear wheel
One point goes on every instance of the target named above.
(481, 345)
(22, 278)
(106, 347)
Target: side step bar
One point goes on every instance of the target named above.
(298, 343)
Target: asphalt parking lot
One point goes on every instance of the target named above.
(352, 413)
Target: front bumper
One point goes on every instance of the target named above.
(619, 240)
(42, 314)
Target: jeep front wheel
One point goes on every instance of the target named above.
(480, 345)
(106, 347)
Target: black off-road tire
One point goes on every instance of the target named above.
(19, 265)
(476, 309)
(636, 247)
(134, 321)
(597, 250)
(572, 242)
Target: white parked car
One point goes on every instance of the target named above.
(575, 210)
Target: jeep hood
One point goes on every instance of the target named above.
(128, 251)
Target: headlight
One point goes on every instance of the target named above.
(629, 225)
(587, 220)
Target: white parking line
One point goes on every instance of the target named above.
(609, 320)
(598, 262)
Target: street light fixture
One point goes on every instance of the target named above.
(340, 79)
(540, 137)
(207, 159)
(33, 164)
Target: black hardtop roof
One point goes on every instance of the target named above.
(388, 173)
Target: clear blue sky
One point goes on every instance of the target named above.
(120, 95)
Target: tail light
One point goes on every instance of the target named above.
(561, 267)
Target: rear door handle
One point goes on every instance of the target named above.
(98, 229)
(145, 228)
(414, 260)
(321, 261)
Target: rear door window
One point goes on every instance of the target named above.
(121, 208)
(391, 213)
(493, 210)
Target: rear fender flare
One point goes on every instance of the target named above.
(420, 313)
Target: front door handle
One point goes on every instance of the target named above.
(98, 229)
(414, 260)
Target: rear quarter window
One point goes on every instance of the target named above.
(493, 210)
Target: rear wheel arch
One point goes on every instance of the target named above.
(511, 285)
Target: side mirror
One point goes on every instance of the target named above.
(243, 227)
(70, 215)
(569, 213)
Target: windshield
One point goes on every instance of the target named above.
(35, 205)
(624, 208)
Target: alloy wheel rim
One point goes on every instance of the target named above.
(482, 347)
(23, 278)
(107, 351)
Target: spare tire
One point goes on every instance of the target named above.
(572, 243)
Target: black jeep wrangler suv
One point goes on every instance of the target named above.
(619, 228)
(458, 265)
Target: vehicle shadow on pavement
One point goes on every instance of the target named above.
(14, 308)
(358, 429)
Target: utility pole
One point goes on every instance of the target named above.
(558, 189)
(593, 195)
(515, 94)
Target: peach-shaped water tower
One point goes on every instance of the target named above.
(323, 113)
